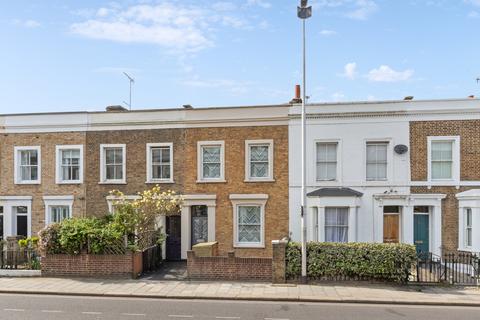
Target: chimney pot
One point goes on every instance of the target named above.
(408, 98)
(297, 98)
(471, 96)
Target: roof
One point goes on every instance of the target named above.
(335, 192)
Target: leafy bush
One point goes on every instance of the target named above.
(372, 261)
(72, 236)
(31, 242)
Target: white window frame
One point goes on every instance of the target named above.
(388, 142)
(17, 161)
(348, 226)
(337, 170)
(455, 157)
(265, 142)
(151, 146)
(200, 145)
(240, 200)
(58, 156)
(56, 201)
(103, 171)
(10, 219)
(112, 200)
(466, 227)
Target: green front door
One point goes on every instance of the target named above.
(421, 233)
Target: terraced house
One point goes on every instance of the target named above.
(230, 165)
(391, 171)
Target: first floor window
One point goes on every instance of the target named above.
(160, 162)
(59, 213)
(442, 159)
(21, 219)
(468, 227)
(113, 163)
(70, 165)
(249, 223)
(259, 161)
(377, 161)
(326, 161)
(211, 161)
(336, 224)
(27, 165)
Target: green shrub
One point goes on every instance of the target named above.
(370, 261)
(72, 236)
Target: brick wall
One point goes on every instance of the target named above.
(48, 186)
(91, 266)
(469, 132)
(136, 143)
(276, 209)
(229, 268)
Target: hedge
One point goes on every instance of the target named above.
(365, 261)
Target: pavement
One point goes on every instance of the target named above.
(48, 307)
(344, 293)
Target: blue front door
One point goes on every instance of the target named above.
(421, 234)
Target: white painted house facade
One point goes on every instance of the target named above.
(358, 173)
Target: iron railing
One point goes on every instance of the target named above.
(18, 258)
(456, 268)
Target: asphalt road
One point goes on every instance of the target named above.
(16, 307)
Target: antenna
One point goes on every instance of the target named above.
(132, 81)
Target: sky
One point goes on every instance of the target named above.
(64, 55)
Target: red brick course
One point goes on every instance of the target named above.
(229, 268)
(92, 266)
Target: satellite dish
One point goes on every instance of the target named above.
(400, 149)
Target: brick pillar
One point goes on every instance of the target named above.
(278, 261)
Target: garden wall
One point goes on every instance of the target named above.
(228, 268)
(128, 265)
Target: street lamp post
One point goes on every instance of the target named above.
(304, 12)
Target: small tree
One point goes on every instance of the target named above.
(141, 215)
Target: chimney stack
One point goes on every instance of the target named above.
(115, 108)
(297, 98)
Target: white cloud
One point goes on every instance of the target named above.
(365, 8)
(473, 2)
(353, 9)
(261, 3)
(386, 74)
(328, 33)
(26, 23)
(473, 14)
(224, 6)
(170, 24)
(350, 70)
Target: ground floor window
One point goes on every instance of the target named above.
(249, 223)
(336, 224)
(468, 227)
(1, 223)
(59, 213)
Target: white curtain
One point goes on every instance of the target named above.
(336, 224)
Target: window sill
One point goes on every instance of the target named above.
(69, 182)
(28, 182)
(211, 181)
(249, 246)
(159, 182)
(112, 182)
(258, 180)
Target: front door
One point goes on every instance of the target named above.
(391, 230)
(199, 224)
(421, 232)
(174, 239)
